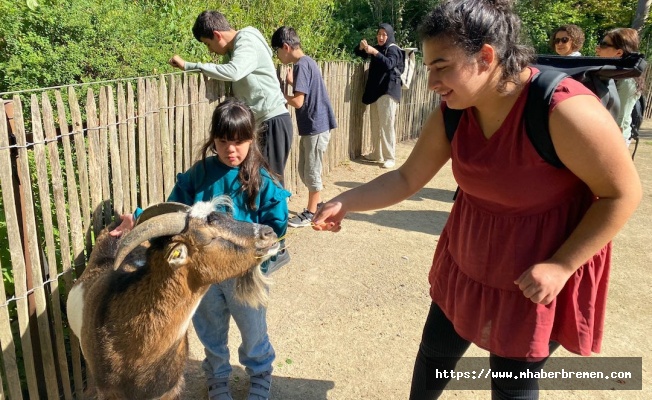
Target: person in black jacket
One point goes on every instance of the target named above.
(382, 93)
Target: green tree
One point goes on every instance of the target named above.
(595, 17)
(56, 42)
(60, 42)
(360, 18)
(642, 12)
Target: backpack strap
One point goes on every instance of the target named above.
(451, 120)
(536, 113)
(396, 69)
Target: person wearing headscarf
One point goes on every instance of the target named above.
(382, 93)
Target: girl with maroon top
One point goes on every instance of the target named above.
(523, 262)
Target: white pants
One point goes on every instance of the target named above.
(382, 114)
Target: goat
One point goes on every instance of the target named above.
(131, 312)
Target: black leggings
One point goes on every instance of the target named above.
(441, 348)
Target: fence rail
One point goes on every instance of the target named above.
(88, 154)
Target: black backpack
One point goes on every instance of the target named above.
(596, 73)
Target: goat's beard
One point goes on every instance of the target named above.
(252, 288)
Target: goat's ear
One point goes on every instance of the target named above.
(178, 256)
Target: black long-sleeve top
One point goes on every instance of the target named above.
(383, 76)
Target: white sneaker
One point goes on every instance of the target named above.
(389, 164)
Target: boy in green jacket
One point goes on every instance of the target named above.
(250, 69)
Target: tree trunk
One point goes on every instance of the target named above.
(642, 11)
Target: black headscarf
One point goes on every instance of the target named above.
(390, 36)
(383, 78)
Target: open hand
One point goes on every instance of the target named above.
(371, 50)
(542, 282)
(125, 226)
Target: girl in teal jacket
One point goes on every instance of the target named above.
(233, 165)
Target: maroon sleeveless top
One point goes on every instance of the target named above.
(514, 210)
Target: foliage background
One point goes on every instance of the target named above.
(59, 42)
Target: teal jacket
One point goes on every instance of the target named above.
(203, 184)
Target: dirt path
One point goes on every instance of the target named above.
(346, 314)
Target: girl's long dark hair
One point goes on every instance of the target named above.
(233, 120)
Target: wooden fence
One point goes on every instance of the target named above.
(76, 163)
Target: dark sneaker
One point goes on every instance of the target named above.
(277, 261)
(302, 219)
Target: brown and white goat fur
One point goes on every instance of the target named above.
(132, 317)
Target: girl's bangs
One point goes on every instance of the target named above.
(237, 131)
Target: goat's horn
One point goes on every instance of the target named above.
(169, 220)
(161, 208)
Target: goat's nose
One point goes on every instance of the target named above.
(266, 232)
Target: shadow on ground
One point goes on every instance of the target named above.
(426, 193)
(427, 221)
(285, 388)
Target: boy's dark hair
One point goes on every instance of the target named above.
(470, 24)
(233, 120)
(285, 35)
(207, 22)
(575, 33)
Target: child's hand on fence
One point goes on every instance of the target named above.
(125, 226)
(177, 62)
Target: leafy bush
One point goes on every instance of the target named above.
(595, 17)
(59, 42)
(63, 42)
